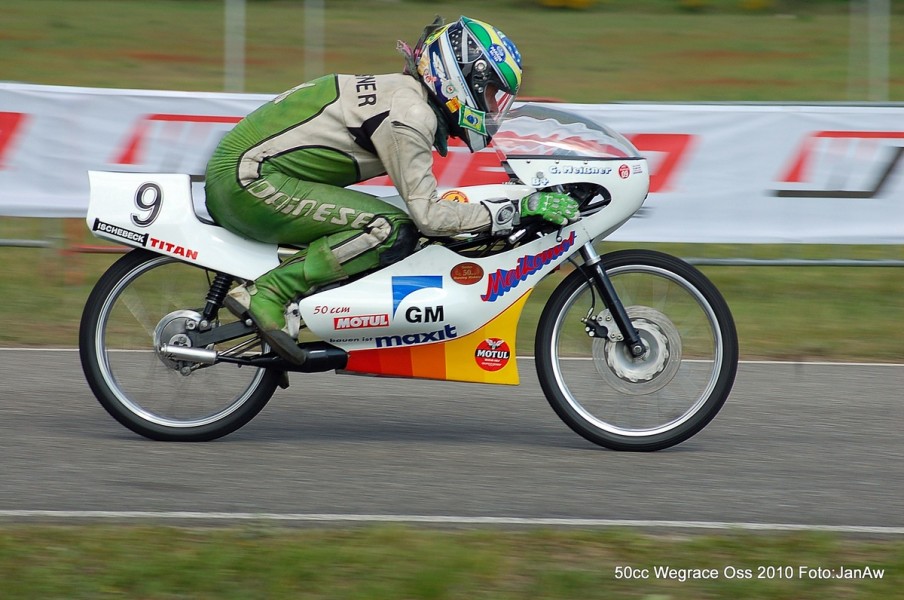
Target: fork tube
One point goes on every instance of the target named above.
(594, 265)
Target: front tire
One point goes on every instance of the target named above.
(143, 300)
(670, 393)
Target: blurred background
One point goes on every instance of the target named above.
(575, 50)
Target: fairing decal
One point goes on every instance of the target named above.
(462, 358)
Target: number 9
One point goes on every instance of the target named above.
(149, 198)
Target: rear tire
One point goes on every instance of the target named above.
(144, 300)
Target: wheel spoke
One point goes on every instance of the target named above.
(655, 400)
(138, 306)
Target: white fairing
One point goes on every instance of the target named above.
(435, 314)
(424, 298)
(155, 211)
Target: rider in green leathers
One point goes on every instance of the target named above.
(280, 175)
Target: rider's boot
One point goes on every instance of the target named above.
(265, 302)
(266, 299)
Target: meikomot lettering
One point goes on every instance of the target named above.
(502, 280)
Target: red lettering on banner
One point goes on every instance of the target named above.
(673, 146)
(842, 153)
(10, 125)
(137, 140)
(796, 172)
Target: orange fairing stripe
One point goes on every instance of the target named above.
(429, 361)
(453, 359)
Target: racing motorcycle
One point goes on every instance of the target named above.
(634, 349)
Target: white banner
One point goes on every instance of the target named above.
(739, 173)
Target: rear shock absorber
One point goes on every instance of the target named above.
(215, 296)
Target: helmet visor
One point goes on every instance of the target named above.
(498, 102)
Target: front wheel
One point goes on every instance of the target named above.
(673, 389)
(142, 302)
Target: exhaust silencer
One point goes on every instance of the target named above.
(320, 357)
(196, 355)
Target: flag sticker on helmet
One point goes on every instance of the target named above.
(472, 119)
(473, 73)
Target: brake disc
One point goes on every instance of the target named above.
(651, 371)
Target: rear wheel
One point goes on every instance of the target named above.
(142, 302)
(666, 395)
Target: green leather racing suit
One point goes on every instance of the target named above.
(280, 174)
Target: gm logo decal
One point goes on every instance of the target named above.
(405, 285)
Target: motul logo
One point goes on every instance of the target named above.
(361, 321)
(842, 164)
(491, 353)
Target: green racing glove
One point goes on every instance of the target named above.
(554, 207)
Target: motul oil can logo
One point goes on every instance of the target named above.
(492, 354)
(361, 322)
(842, 164)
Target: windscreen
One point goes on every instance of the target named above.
(534, 130)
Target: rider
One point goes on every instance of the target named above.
(279, 175)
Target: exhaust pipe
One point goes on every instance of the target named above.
(196, 355)
(320, 357)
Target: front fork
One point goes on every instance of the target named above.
(595, 270)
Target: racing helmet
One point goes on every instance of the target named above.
(473, 71)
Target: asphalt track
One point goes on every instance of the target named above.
(796, 445)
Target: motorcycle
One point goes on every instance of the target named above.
(634, 349)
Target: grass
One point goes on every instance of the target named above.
(265, 562)
(614, 51)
